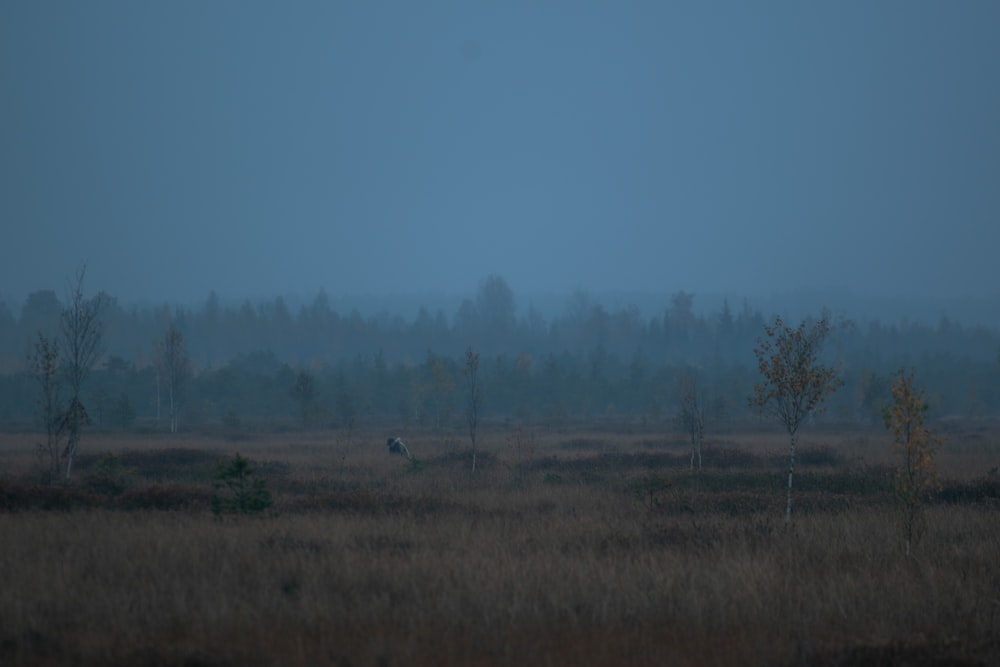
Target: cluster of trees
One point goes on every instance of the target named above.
(262, 364)
(63, 414)
(793, 386)
(793, 380)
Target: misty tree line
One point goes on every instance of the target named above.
(264, 364)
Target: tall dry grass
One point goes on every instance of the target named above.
(567, 559)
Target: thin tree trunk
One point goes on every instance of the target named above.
(791, 469)
(697, 440)
(69, 465)
(71, 446)
(909, 530)
(173, 413)
(158, 397)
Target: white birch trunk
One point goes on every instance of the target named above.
(791, 470)
(173, 411)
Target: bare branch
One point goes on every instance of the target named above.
(81, 331)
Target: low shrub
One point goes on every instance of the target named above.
(108, 476)
(18, 497)
(238, 488)
(168, 496)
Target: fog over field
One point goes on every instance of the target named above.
(398, 152)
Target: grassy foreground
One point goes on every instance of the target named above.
(565, 549)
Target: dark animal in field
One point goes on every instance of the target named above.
(397, 446)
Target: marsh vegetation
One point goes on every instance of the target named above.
(595, 545)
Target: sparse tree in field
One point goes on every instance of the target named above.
(870, 396)
(304, 392)
(122, 413)
(346, 408)
(100, 398)
(681, 316)
(691, 416)
(44, 365)
(795, 383)
(521, 447)
(80, 323)
(176, 369)
(435, 385)
(915, 476)
(158, 373)
(344, 443)
(40, 313)
(495, 306)
(475, 397)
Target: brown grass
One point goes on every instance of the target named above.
(595, 550)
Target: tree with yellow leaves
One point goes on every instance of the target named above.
(915, 476)
(794, 381)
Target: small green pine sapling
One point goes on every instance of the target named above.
(238, 489)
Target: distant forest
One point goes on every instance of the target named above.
(264, 366)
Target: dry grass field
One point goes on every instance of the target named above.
(587, 546)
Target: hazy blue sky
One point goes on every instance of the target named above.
(264, 148)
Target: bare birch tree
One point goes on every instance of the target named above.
(434, 386)
(176, 368)
(81, 327)
(475, 398)
(304, 392)
(691, 417)
(158, 376)
(795, 383)
(44, 365)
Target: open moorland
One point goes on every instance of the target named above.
(595, 545)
